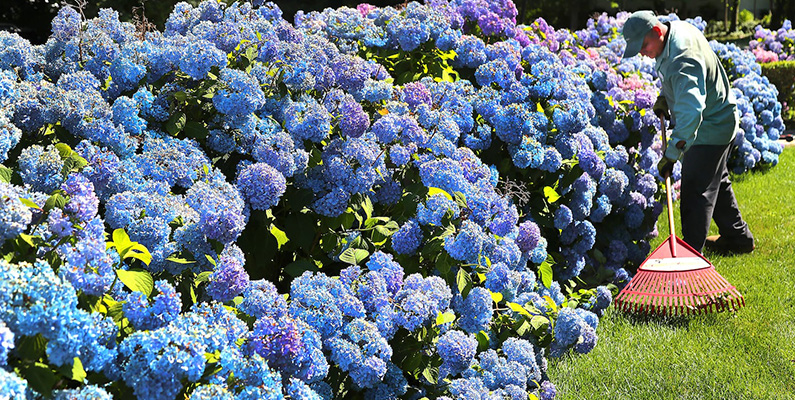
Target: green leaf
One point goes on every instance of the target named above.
(431, 374)
(180, 96)
(298, 267)
(63, 150)
(464, 282)
(280, 235)
(75, 371)
(176, 123)
(434, 191)
(545, 270)
(5, 174)
(413, 363)
(41, 378)
(203, 276)
(139, 252)
(539, 323)
(120, 239)
(367, 207)
(460, 199)
(56, 200)
(354, 256)
(445, 318)
(211, 260)
(550, 194)
(483, 340)
(196, 130)
(32, 347)
(497, 297)
(29, 203)
(136, 280)
(519, 309)
(179, 260)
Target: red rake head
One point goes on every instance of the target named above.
(685, 284)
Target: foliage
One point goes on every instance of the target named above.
(782, 75)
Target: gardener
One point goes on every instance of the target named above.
(704, 121)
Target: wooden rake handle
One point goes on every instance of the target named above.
(672, 240)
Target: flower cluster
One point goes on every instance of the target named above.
(315, 220)
(773, 45)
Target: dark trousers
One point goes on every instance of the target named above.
(707, 194)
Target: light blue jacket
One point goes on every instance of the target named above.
(697, 90)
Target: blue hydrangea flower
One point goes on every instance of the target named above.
(362, 352)
(198, 57)
(261, 185)
(88, 392)
(260, 298)
(14, 215)
(6, 343)
(12, 386)
(323, 303)
(241, 93)
(467, 244)
(408, 238)
(457, 351)
(164, 308)
(41, 168)
(475, 311)
(229, 278)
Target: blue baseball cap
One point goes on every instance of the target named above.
(635, 29)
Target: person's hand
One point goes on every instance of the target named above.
(661, 107)
(665, 167)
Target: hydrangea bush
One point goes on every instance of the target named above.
(773, 45)
(424, 201)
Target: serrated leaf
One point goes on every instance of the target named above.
(176, 123)
(432, 191)
(56, 200)
(539, 323)
(367, 207)
(280, 235)
(180, 96)
(545, 270)
(120, 239)
(40, 377)
(444, 318)
(179, 260)
(460, 199)
(551, 194)
(6, 174)
(29, 203)
(298, 267)
(196, 130)
(139, 252)
(76, 372)
(464, 282)
(519, 309)
(431, 374)
(497, 297)
(63, 150)
(137, 280)
(211, 260)
(413, 363)
(203, 276)
(483, 340)
(354, 256)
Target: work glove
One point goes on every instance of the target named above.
(661, 107)
(665, 167)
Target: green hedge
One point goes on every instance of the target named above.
(782, 74)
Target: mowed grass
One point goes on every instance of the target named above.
(748, 354)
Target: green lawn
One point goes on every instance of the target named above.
(749, 354)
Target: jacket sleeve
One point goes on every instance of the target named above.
(690, 96)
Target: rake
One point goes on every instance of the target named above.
(676, 279)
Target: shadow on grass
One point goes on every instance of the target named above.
(673, 321)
